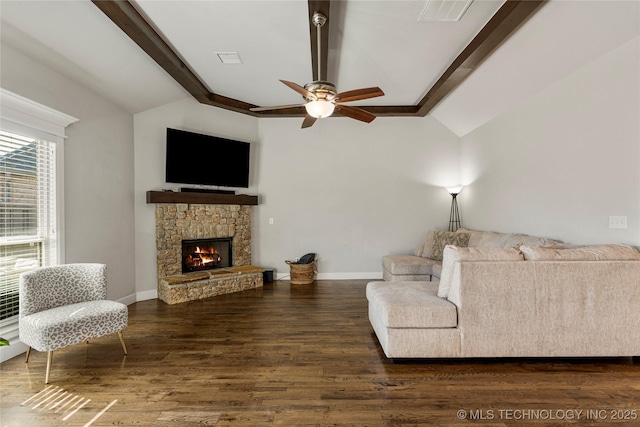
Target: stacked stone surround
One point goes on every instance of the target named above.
(176, 222)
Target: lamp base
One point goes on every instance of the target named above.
(454, 216)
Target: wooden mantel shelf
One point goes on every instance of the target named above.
(200, 198)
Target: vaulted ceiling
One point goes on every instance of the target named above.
(146, 53)
(447, 55)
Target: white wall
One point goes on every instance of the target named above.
(150, 139)
(562, 162)
(98, 168)
(350, 192)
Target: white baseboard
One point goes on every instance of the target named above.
(146, 295)
(339, 276)
(139, 296)
(128, 300)
(9, 331)
(15, 349)
(349, 276)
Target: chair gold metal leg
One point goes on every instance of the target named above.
(49, 360)
(124, 347)
(26, 360)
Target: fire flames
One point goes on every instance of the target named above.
(201, 258)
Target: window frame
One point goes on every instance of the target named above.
(23, 116)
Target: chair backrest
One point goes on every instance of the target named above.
(50, 287)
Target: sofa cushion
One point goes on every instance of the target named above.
(411, 305)
(586, 253)
(428, 245)
(71, 324)
(484, 239)
(516, 240)
(436, 271)
(444, 238)
(407, 264)
(388, 277)
(453, 254)
(490, 239)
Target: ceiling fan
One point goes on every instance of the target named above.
(322, 98)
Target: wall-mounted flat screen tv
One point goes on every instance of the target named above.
(194, 158)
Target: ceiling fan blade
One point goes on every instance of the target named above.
(355, 113)
(357, 94)
(277, 107)
(302, 91)
(308, 121)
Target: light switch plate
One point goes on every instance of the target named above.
(618, 221)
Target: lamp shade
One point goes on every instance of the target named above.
(319, 108)
(455, 189)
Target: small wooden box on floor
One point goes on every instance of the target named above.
(204, 284)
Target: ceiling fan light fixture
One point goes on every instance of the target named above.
(321, 97)
(319, 108)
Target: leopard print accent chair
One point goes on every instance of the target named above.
(65, 305)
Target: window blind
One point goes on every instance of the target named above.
(27, 212)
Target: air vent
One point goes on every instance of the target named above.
(229, 57)
(444, 10)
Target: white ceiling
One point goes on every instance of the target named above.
(375, 43)
(372, 43)
(561, 38)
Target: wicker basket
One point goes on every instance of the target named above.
(302, 274)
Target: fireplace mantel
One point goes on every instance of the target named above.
(200, 198)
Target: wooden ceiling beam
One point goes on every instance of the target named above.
(129, 20)
(506, 20)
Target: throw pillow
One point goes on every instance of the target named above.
(428, 245)
(443, 238)
(420, 249)
(453, 254)
(584, 253)
(474, 235)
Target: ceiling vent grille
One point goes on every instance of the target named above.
(444, 10)
(229, 57)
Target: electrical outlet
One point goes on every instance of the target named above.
(618, 221)
(271, 221)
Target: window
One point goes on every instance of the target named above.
(31, 191)
(27, 212)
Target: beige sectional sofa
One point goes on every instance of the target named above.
(513, 301)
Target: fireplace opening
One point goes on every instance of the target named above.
(206, 254)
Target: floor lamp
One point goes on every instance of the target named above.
(454, 216)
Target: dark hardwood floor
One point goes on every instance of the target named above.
(302, 355)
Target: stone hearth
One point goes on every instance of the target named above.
(176, 222)
(205, 284)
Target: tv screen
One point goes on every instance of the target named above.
(193, 158)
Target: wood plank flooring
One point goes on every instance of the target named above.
(301, 355)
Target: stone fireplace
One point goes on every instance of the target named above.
(182, 221)
(210, 221)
